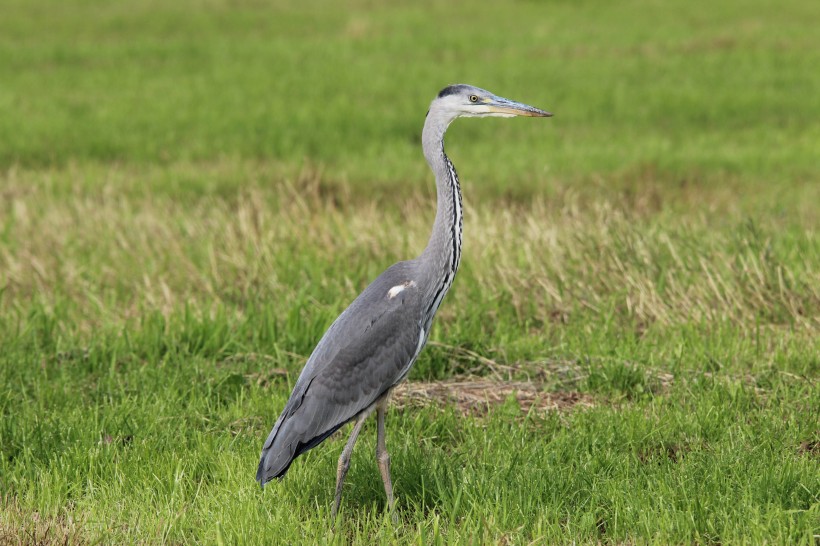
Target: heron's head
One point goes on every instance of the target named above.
(465, 100)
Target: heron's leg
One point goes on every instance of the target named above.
(382, 457)
(344, 461)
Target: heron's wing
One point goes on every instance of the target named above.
(366, 351)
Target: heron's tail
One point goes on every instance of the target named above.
(283, 446)
(276, 455)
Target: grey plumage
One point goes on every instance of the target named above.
(372, 345)
(364, 353)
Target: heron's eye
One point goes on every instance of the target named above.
(473, 98)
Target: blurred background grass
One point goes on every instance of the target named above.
(689, 91)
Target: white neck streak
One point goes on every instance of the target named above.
(441, 258)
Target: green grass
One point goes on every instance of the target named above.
(189, 194)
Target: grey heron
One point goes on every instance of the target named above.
(371, 346)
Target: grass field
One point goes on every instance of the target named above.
(190, 192)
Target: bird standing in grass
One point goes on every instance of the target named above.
(371, 346)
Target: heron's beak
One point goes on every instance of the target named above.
(499, 106)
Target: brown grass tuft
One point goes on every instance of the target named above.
(18, 528)
(477, 396)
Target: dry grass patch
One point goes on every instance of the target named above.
(477, 396)
(115, 252)
(18, 528)
(811, 447)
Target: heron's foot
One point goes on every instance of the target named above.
(341, 471)
(383, 458)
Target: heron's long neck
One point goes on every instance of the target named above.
(443, 253)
